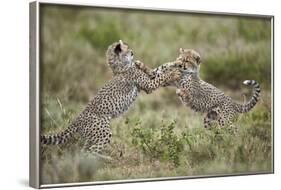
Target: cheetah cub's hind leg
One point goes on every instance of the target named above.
(98, 135)
(212, 116)
(226, 119)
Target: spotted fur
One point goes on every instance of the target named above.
(201, 96)
(111, 101)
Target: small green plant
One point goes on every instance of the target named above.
(161, 143)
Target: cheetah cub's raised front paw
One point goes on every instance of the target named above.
(183, 96)
(175, 75)
(139, 64)
(180, 92)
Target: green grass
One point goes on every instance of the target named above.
(158, 136)
(162, 142)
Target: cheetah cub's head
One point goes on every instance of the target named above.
(191, 60)
(119, 57)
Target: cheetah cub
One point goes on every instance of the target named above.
(201, 96)
(111, 101)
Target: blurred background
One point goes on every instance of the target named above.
(158, 136)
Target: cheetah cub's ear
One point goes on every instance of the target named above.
(197, 57)
(198, 60)
(181, 50)
(117, 48)
(122, 46)
(121, 42)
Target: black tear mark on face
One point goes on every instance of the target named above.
(117, 49)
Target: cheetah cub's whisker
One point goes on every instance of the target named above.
(111, 101)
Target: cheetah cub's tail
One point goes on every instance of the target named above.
(255, 98)
(59, 138)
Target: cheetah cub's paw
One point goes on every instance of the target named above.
(183, 96)
(139, 64)
(181, 93)
(175, 75)
(179, 64)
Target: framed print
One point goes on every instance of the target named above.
(131, 94)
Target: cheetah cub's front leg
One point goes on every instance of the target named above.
(173, 72)
(161, 69)
(140, 65)
(148, 83)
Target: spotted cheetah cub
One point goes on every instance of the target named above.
(201, 96)
(111, 101)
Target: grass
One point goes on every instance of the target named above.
(164, 142)
(158, 136)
